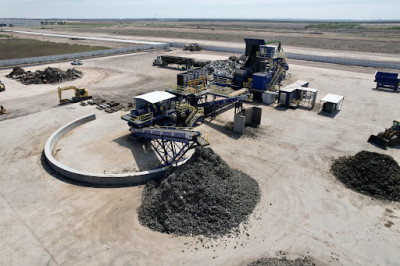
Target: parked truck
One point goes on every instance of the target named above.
(186, 62)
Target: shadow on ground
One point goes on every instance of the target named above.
(46, 167)
(145, 156)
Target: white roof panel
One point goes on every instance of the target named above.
(307, 89)
(332, 98)
(155, 96)
(302, 82)
(289, 88)
(299, 83)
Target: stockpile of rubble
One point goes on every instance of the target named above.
(226, 68)
(202, 197)
(108, 106)
(49, 75)
(370, 173)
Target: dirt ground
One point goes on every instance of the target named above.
(304, 210)
(365, 37)
(354, 51)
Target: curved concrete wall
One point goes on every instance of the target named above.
(135, 178)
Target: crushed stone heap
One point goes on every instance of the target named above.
(370, 173)
(49, 75)
(202, 197)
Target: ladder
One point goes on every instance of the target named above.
(194, 116)
(275, 78)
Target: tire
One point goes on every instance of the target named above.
(394, 140)
(380, 134)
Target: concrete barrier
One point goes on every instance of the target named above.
(306, 57)
(135, 178)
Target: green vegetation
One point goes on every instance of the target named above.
(86, 25)
(4, 36)
(385, 27)
(21, 48)
(335, 25)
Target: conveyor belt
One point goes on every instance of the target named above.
(170, 134)
(171, 144)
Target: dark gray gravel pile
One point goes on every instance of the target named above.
(370, 173)
(202, 197)
(306, 261)
(49, 75)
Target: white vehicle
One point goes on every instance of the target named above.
(77, 62)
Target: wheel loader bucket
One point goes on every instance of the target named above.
(378, 141)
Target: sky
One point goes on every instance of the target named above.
(240, 9)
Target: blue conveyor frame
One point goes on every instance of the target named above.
(171, 144)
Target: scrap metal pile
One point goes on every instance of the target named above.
(109, 106)
(226, 68)
(202, 197)
(370, 173)
(49, 75)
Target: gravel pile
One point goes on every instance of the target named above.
(306, 261)
(49, 75)
(370, 173)
(226, 68)
(202, 197)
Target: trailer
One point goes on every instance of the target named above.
(387, 80)
(186, 62)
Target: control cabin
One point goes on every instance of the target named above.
(153, 108)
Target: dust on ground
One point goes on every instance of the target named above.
(306, 261)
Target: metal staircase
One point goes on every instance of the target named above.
(196, 113)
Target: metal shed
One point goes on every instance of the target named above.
(331, 103)
(294, 96)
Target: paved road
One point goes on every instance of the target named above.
(85, 37)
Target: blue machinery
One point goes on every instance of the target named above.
(155, 112)
(387, 80)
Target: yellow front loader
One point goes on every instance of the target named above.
(80, 95)
(2, 86)
(3, 111)
(389, 137)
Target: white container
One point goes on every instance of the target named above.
(269, 97)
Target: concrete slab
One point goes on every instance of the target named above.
(303, 210)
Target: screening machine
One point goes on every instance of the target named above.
(151, 120)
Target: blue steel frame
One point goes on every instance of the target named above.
(170, 145)
(171, 152)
